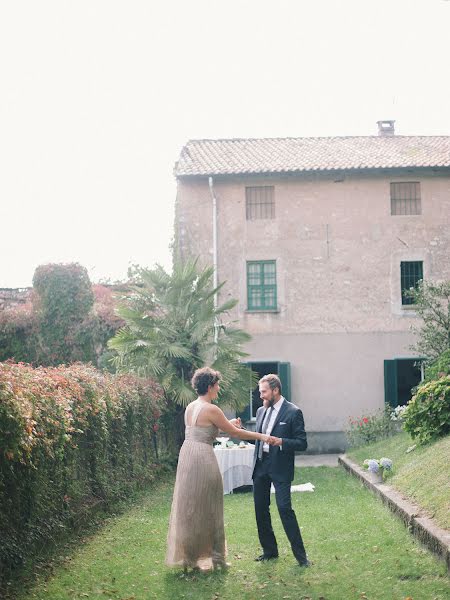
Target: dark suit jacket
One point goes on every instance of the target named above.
(289, 426)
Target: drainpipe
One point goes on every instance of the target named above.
(214, 224)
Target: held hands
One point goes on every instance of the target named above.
(272, 440)
(276, 441)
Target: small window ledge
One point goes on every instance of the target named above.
(255, 311)
(409, 307)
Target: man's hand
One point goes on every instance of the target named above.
(275, 441)
(236, 422)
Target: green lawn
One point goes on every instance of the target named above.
(421, 474)
(358, 548)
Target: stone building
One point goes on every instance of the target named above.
(319, 238)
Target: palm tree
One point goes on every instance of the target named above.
(172, 327)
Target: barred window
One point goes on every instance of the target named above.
(261, 285)
(405, 198)
(259, 202)
(411, 272)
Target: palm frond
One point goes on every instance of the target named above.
(226, 306)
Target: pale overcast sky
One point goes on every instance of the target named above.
(97, 98)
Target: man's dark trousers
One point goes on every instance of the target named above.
(261, 493)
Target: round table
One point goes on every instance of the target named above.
(236, 466)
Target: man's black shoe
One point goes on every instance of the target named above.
(304, 563)
(266, 557)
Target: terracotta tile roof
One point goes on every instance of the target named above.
(287, 155)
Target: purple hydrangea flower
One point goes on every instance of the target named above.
(386, 463)
(373, 465)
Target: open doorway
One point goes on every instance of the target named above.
(282, 369)
(401, 376)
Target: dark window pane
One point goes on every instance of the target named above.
(411, 272)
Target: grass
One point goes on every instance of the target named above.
(421, 475)
(359, 551)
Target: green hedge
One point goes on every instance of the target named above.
(70, 438)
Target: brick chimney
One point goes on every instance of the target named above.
(386, 127)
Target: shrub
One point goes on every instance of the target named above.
(63, 299)
(427, 415)
(70, 438)
(61, 325)
(438, 367)
(18, 329)
(371, 428)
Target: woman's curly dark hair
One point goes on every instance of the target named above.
(203, 378)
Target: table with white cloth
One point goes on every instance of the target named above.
(236, 466)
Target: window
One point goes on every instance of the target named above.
(405, 198)
(261, 285)
(259, 202)
(411, 273)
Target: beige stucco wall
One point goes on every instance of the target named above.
(333, 376)
(338, 252)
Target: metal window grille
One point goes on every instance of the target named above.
(411, 273)
(259, 202)
(261, 285)
(405, 198)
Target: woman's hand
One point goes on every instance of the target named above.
(236, 422)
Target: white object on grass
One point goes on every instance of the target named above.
(302, 487)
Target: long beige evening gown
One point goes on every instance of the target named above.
(196, 536)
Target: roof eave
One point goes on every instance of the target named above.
(205, 174)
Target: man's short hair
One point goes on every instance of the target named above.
(273, 381)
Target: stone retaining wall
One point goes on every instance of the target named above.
(433, 537)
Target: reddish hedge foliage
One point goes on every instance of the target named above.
(69, 436)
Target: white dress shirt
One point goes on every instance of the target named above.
(273, 416)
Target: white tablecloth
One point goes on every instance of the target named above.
(236, 466)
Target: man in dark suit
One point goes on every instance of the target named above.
(274, 463)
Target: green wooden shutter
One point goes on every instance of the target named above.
(284, 373)
(390, 382)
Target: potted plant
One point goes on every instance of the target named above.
(378, 467)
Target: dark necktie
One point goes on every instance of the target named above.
(266, 422)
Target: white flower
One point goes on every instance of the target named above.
(397, 413)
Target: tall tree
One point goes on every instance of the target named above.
(172, 327)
